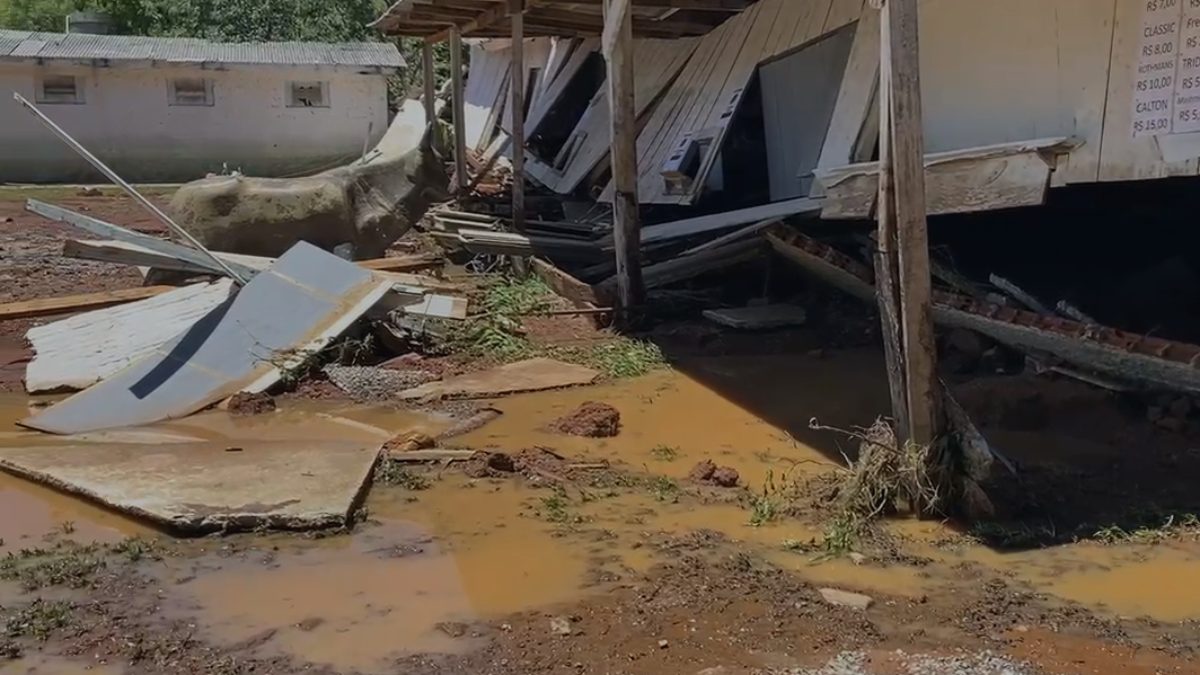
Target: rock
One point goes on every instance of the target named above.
(703, 471)
(245, 403)
(8, 219)
(857, 558)
(592, 420)
(88, 192)
(725, 476)
(414, 440)
(310, 624)
(663, 644)
(709, 472)
(841, 598)
(561, 625)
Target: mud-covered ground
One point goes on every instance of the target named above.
(593, 553)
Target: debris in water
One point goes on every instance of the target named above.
(592, 420)
(247, 403)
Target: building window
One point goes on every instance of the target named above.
(308, 95)
(60, 89)
(191, 91)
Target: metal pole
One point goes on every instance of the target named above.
(111, 175)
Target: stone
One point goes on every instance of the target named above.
(849, 599)
(663, 644)
(726, 477)
(703, 471)
(591, 420)
(857, 558)
(561, 625)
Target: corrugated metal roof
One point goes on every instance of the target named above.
(82, 46)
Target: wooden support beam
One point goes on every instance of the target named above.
(902, 202)
(516, 87)
(25, 309)
(617, 45)
(460, 125)
(429, 82)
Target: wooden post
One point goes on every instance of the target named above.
(460, 131)
(903, 238)
(516, 86)
(617, 43)
(428, 80)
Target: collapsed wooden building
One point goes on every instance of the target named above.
(744, 113)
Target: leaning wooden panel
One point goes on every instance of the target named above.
(857, 96)
(963, 181)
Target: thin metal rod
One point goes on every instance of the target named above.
(112, 175)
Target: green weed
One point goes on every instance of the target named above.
(393, 473)
(38, 619)
(65, 564)
(768, 506)
(664, 489)
(135, 549)
(626, 357)
(554, 507)
(664, 453)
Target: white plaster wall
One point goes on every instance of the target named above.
(128, 122)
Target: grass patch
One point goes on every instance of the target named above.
(664, 453)
(38, 620)
(64, 564)
(664, 489)
(626, 357)
(393, 473)
(1171, 526)
(135, 549)
(554, 508)
(768, 506)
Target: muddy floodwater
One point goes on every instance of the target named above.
(434, 570)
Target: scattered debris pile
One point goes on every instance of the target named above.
(592, 420)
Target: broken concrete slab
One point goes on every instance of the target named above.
(763, 317)
(196, 488)
(274, 323)
(84, 349)
(529, 375)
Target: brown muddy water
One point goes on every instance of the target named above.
(428, 565)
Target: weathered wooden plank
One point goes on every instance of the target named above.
(25, 309)
(964, 181)
(428, 83)
(517, 83)
(460, 132)
(857, 95)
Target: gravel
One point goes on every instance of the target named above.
(982, 663)
(366, 383)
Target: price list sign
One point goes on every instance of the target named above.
(1187, 74)
(1158, 60)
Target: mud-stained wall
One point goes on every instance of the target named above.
(127, 120)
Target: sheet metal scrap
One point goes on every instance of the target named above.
(275, 322)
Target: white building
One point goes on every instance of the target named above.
(173, 109)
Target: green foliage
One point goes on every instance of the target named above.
(768, 506)
(664, 489)
(554, 507)
(395, 473)
(38, 619)
(664, 453)
(64, 564)
(627, 358)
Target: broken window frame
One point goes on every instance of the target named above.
(201, 96)
(296, 94)
(52, 89)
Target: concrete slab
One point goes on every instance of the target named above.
(247, 481)
(763, 317)
(529, 375)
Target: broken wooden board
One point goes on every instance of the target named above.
(529, 375)
(1002, 176)
(721, 221)
(686, 267)
(763, 317)
(274, 323)
(80, 351)
(25, 309)
(318, 471)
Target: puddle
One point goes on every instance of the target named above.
(40, 664)
(454, 556)
(699, 416)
